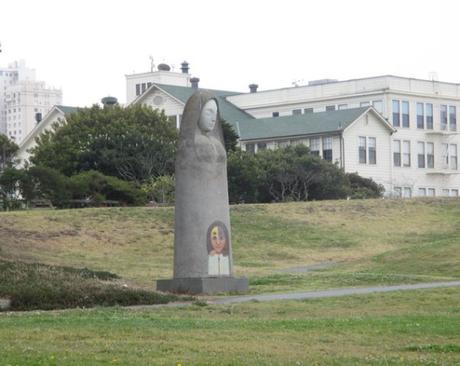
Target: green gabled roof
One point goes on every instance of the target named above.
(228, 111)
(67, 109)
(298, 125)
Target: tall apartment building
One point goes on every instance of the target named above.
(23, 100)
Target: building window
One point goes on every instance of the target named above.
(454, 192)
(372, 150)
(421, 154)
(275, 114)
(143, 87)
(378, 105)
(315, 147)
(327, 148)
(396, 114)
(364, 104)
(138, 89)
(330, 108)
(342, 106)
(261, 146)
(452, 118)
(420, 116)
(405, 114)
(406, 153)
(445, 155)
(308, 110)
(362, 150)
(443, 117)
(296, 112)
(429, 116)
(407, 192)
(429, 155)
(422, 192)
(397, 153)
(445, 192)
(149, 84)
(453, 156)
(397, 192)
(431, 192)
(250, 148)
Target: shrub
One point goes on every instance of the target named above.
(95, 186)
(32, 286)
(364, 187)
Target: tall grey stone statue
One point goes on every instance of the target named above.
(202, 241)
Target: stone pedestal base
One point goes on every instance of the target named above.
(203, 285)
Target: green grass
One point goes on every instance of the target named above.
(373, 242)
(403, 328)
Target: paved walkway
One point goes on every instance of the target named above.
(331, 293)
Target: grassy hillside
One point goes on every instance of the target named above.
(351, 243)
(362, 242)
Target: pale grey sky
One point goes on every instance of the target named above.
(87, 46)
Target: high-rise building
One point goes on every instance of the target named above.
(23, 100)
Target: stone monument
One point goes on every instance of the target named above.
(202, 240)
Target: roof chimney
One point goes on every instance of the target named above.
(108, 102)
(195, 82)
(38, 117)
(184, 67)
(253, 88)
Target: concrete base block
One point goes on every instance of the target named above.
(203, 285)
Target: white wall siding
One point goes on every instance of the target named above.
(369, 126)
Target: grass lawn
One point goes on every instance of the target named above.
(372, 242)
(403, 328)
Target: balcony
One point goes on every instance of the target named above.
(445, 172)
(442, 132)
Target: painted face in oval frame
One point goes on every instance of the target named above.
(208, 118)
(218, 239)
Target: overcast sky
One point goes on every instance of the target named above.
(86, 47)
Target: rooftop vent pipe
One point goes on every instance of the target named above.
(195, 82)
(253, 88)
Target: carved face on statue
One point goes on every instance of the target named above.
(208, 116)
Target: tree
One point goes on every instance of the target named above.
(133, 143)
(246, 176)
(160, 189)
(230, 137)
(8, 149)
(291, 172)
(9, 187)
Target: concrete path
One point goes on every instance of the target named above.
(330, 293)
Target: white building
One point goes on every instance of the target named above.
(23, 100)
(401, 132)
(418, 157)
(57, 114)
(424, 151)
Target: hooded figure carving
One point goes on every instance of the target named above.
(202, 242)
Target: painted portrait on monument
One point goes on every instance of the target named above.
(218, 249)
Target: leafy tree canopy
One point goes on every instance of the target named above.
(7, 151)
(132, 143)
